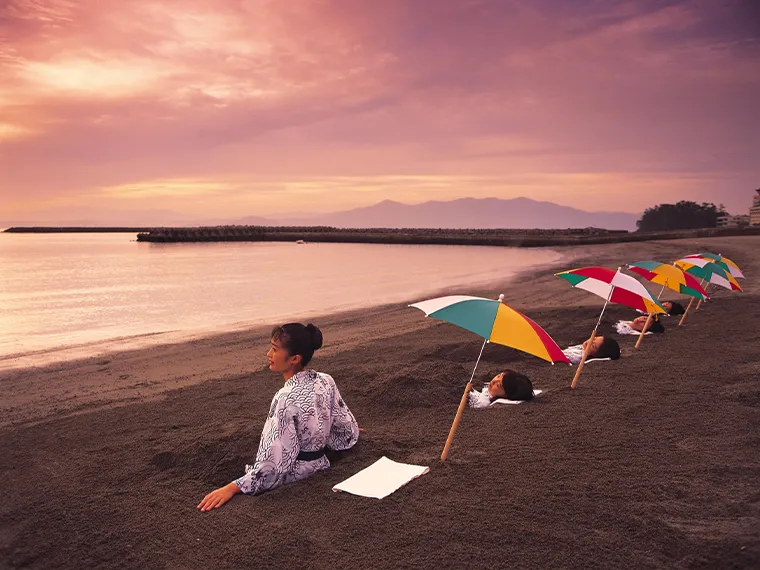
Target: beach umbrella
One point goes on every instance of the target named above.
(613, 287)
(496, 322)
(669, 276)
(722, 261)
(710, 272)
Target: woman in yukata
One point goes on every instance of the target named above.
(508, 384)
(306, 418)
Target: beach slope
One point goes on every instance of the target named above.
(652, 462)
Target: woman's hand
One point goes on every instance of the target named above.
(216, 499)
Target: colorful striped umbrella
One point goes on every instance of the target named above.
(669, 276)
(722, 261)
(495, 322)
(613, 287)
(708, 271)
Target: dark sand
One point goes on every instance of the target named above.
(652, 462)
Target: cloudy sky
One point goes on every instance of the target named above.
(256, 107)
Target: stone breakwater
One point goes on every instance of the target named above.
(495, 237)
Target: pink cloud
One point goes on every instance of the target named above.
(627, 102)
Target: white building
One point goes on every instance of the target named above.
(754, 211)
(729, 221)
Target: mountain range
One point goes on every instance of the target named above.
(520, 213)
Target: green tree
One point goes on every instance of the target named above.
(683, 215)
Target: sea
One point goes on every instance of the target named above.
(72, 295)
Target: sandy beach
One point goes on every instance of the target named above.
(652, 462)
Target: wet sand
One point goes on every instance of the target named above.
(652, 462)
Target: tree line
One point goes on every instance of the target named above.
(683, 215)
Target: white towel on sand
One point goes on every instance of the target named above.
(381, 478)
(505, 401)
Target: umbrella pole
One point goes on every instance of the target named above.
(583, 360)
(460, 410)
(644, 330)
(649, 318)
(700, 301)
(590, 341)
(686, 312)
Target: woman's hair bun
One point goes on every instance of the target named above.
(315, 335)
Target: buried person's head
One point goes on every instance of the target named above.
(673, 308)
(292, 346)
(603, 347)
(608, 348)
(510, 385)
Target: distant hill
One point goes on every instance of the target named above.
(522, 213)
(255, 221)
(484, 213)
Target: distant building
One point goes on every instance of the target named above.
(729, 221)
(754, 211)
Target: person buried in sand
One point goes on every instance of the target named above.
(508, 384)
(601, 347)
(639, 324)
(673, 308)
(655, 325)
(307, 416)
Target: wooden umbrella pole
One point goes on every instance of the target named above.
(644, 330)
(460, 410)
(583, 360)
(457, 418)
(700, 301)
(686, 312)
(591, 340)
(649, 318)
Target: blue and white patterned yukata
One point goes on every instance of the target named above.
(574, 353)
(306, 415)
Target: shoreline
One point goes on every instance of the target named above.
(44, 356)
(122, 388)
(107, 379)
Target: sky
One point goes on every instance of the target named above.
(231, 108)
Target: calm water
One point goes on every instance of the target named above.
(71, 295)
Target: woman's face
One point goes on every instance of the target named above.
(279, 359)
(668, 306)
(594, 345)
(496, 388)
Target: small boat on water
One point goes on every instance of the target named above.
(300, 241)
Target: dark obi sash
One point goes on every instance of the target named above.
(311, 455)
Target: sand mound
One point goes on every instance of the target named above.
(212, 461)
(425, 384)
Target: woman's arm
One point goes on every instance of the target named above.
(277, 452)
(344, 432)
